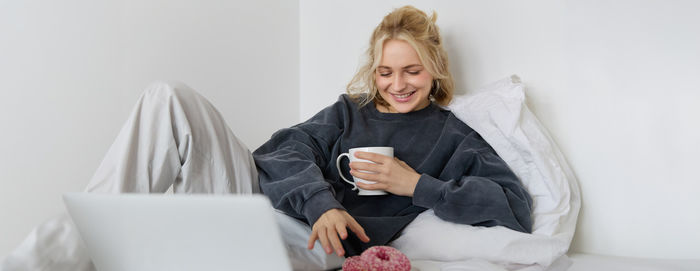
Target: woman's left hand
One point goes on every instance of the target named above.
(389, 173)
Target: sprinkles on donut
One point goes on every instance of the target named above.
(354, 263)
(378, 258)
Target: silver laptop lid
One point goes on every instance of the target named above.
(178, 232)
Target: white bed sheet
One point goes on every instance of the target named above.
(573, 262)
(587, 262)
(560, 264)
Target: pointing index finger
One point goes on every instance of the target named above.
(358, 230)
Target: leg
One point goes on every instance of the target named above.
(295, 235)
(174, 137)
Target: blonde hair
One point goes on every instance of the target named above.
(420, 31)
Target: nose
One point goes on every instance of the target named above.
(399, 83)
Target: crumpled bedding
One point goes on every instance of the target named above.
(499, 114)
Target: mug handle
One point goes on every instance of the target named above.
(337, 165)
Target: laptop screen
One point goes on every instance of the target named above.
(178, 232)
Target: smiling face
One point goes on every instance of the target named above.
(401, 79)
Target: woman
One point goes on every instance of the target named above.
(393, 101)
(176, 138)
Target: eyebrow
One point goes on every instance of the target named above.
(406, 67)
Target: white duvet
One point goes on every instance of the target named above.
(499, 114)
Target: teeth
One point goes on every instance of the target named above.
(403, 96)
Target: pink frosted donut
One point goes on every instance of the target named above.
(354, 263)
(385, 258)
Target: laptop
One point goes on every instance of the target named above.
(178, 232)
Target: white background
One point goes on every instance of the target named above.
(615, 83)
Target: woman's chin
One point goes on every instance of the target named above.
(403, 108)
(411, 106)
(412, 103)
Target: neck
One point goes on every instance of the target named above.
(385, 109)
(390, 109)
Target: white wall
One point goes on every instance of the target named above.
(614, 81)
(70, 72)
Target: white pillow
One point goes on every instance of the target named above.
(499, 114)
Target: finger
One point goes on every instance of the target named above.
(374, 177)
(372, 167)
(369, 186)
(342, 231)
(312, 240)
(358, 230)
(374, 157)
(333, 237)
(323, 236)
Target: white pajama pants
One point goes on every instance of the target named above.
(173, 138)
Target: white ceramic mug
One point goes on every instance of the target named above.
(388, 151)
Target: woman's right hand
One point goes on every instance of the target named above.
(330, 225)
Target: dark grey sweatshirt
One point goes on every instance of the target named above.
(462, 178)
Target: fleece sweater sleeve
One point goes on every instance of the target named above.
(289, 165)
(487, 194)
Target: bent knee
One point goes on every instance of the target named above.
(170, 88)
